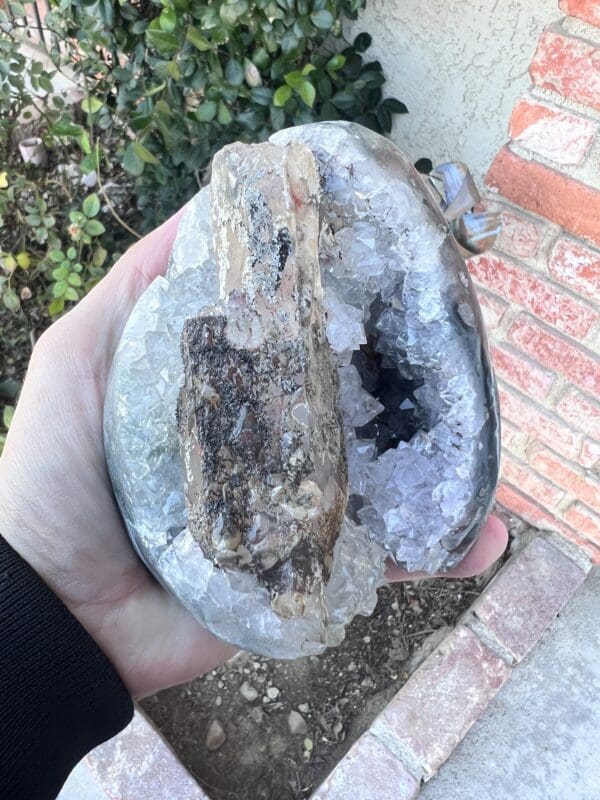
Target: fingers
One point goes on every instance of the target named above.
(488, 548)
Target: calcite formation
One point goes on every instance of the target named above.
(307, 392)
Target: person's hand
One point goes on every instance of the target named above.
(56, 503)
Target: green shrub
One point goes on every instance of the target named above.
(164, 85)
(178, 79)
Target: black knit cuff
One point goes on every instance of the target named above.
(59, 694)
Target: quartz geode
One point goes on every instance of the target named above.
(306, 392)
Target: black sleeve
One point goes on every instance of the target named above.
(59, 695)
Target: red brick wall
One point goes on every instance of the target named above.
(540, 286)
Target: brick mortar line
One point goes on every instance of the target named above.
(574, 466)
(550, 329)
(546, 278)
(534, 502)
(524, 398)
(558, 105)
(523, 462)
(576, 28)
(407, 758)
(559, 391)
(566, 103)
(486, 636)
(566, 503)
(568, 549)
(574, 172)
(513, 351)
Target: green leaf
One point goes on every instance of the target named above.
(72, 252)
(64, 127)
(59, 288)
(144, 154)
(91, 206)
(166, 44)
(277, 118)
(56, 306)
(336, 62)
(60, 273)
(262, 95)
(11, 300)
(281, 96)
(77, 217)
(99, 256)
(395, 106)
(308, 93)
(224, 115)
(168, 20)
(17, 9)
(84, 143)
(322, 19)
(206, 111)
(89, 163)
(91, 105)
(362, 42)
(384, 117)
(344, 100)
(74, 279)
(200, 42)
(56, 256)
(234, 72)
(71, 294)
(306, 70)
(173, 71)
(230, 12)
(261, 58)
(294, 79)
(94, 227)
(7, 416)
(132, 163)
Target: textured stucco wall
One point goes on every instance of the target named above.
(459, 65)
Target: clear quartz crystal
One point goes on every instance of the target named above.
(416, 391)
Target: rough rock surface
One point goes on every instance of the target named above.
(259, 422)
(416, 390)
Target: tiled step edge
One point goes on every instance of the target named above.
(416, 733)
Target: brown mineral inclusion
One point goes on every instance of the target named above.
(260, 429)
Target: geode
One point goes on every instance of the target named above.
(307, 392)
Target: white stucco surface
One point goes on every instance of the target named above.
(459, 65)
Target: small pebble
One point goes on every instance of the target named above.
(297, 724)
(248, 692)
(272, 693)
(90, 179)
(218, 700)
(308, 744)
(303, 707)
(215, 735)
(366, 639)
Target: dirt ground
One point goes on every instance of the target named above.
(272, 730)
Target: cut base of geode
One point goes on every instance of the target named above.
(270, 553)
